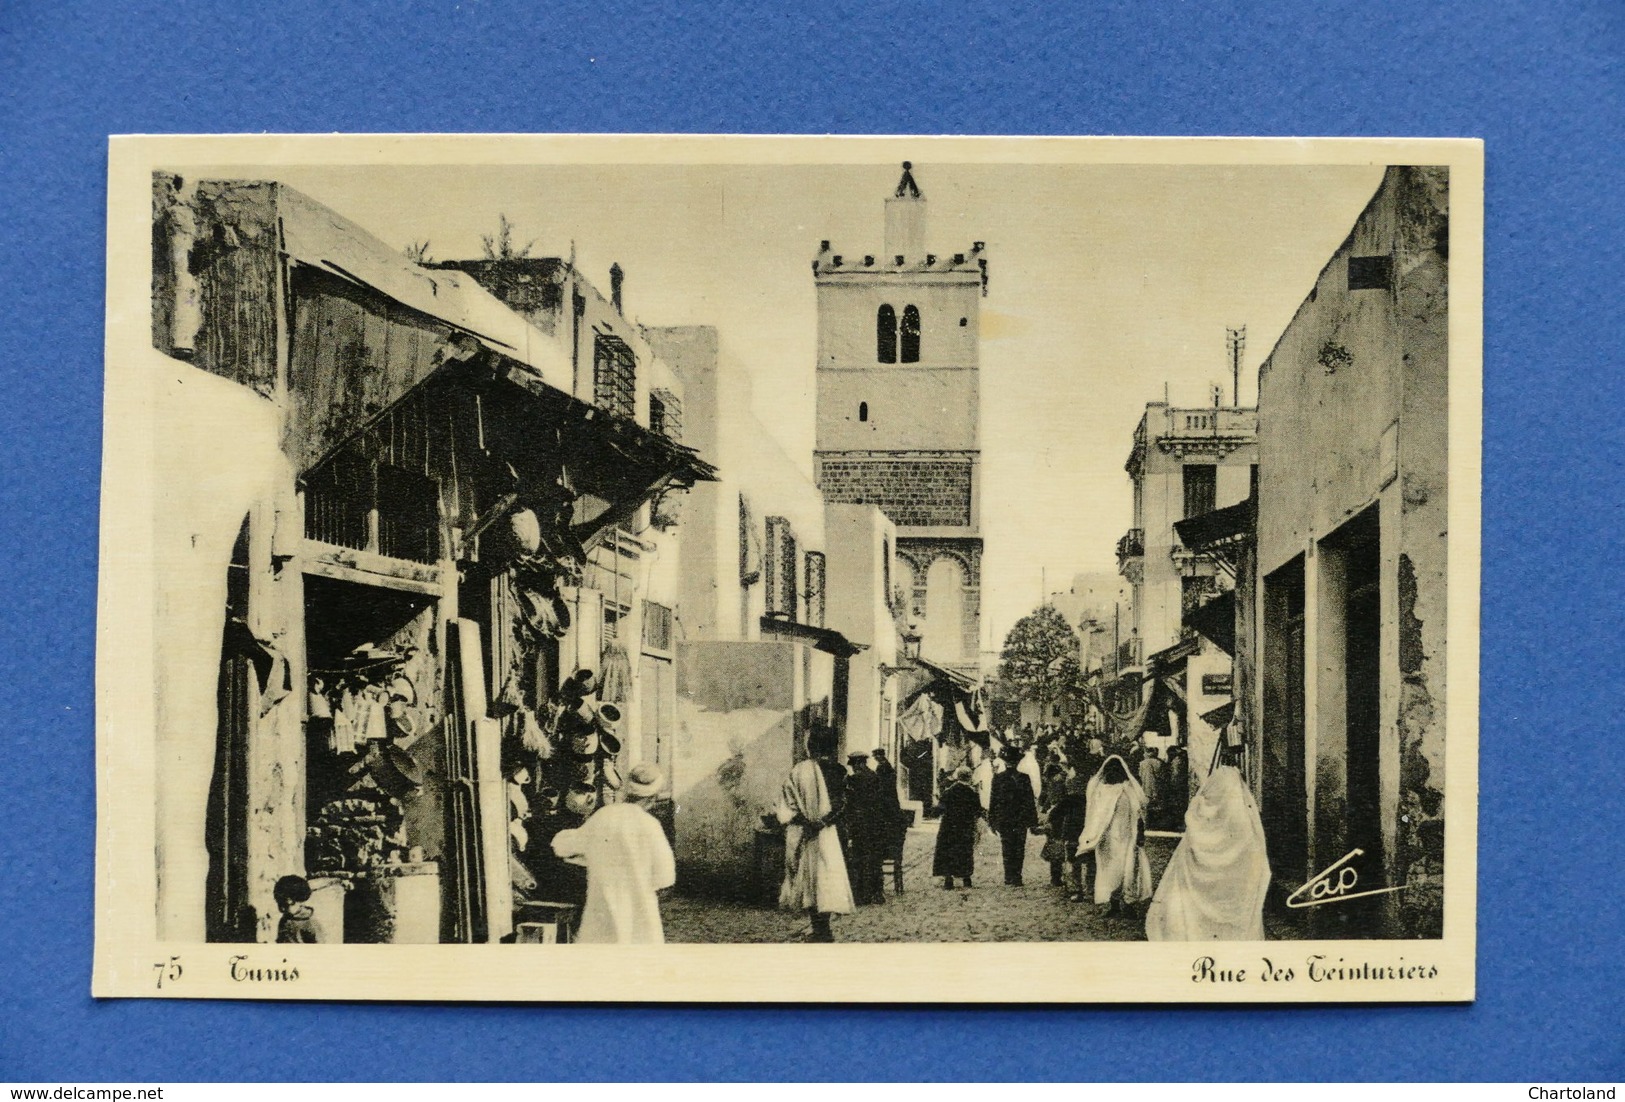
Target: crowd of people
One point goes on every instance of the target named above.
(1093, 804)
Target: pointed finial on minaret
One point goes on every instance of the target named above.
(906, 187)
(905, 220)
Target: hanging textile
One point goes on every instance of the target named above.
(922, 719)
(615, 674)
(971, 718)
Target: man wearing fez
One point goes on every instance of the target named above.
(893, 802)
(810, 805)
(868, 823)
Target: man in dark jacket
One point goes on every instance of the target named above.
(1012, 812)
(1066, 826)
(868, 825)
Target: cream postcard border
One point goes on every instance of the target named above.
(129, 958)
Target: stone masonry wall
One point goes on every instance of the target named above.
(914, 493)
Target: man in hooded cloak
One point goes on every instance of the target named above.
(1113, 830)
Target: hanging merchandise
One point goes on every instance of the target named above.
(317, 705)
(526, 529)
(346, 721)
(403, 724)
(533, 736)
(400, 688)
(549, 555)
(617, 669)
(922, 719)
(969, 718)
(375, 714)
(395, 771)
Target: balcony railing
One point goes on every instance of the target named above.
(1132, 545)
(1128, 653)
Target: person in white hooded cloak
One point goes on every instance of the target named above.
(1113, 830)
(1213, 888)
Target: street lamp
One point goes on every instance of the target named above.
(910, 639)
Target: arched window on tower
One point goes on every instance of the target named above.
(863, 411)
(886, 334)
(911, 334)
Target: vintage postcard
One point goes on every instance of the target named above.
(747, 569)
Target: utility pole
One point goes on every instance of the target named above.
(1236, 340)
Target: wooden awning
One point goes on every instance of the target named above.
(1217, 621)
(1217, 528)
(827, 640)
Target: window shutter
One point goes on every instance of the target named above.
(750, 548)
(815, 588)
(657, 624)
(781, 569)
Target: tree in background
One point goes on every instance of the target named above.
(1040, 657)
(418, 252)
(499, 246)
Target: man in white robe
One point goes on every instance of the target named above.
(1215, 883)
(815, 877)
(628, 861)
(1113, 829)
(981, 773)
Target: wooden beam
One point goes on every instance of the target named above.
(326, 560)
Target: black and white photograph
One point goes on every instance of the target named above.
(616, 568)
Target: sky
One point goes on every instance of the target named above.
(1109, 286)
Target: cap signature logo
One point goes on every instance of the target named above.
(1335, 885)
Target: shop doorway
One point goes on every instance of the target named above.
(375, 755)
(1286, 799)
(1362, 673)
(1348, 799)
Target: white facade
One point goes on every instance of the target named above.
(1184, 462)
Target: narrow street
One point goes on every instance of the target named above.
(925, 911)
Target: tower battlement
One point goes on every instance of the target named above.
(899, 409)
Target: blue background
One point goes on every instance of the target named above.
(1541, 82)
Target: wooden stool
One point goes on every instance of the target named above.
(545, 923)
(894, 859)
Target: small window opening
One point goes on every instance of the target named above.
(863, 411)
(886, 335)
(911, 334)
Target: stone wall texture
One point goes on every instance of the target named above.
(913, 493)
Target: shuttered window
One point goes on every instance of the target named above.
(1201, 488)
(815, 588)
(657, 627)
(781, 568)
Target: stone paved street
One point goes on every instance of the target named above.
(990, 911)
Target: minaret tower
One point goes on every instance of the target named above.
(899, 411)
